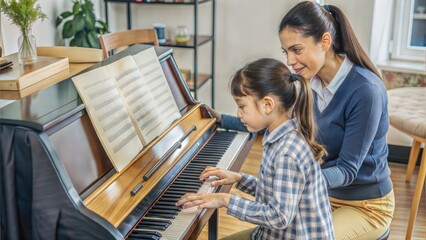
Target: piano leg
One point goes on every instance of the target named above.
(213, 225)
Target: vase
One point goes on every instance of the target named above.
(27, 53)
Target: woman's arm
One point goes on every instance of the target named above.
(363, 117)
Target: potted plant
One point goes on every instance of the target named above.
(23, 13)
(81, 25)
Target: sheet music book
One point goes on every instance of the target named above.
(129, 103)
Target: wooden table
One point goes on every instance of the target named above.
(73, 69)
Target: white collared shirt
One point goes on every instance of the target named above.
(326, 94)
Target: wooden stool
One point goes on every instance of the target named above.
(407, 113)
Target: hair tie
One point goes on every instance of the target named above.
(293, 77)
(327, 8)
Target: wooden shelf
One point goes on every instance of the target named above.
(201, 39)
(201, 80)
(159, 2)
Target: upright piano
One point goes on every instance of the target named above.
(57, 181)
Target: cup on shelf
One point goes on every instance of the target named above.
(160, 28)
(182, 35)
(420, 9)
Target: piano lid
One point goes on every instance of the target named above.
(45, 108)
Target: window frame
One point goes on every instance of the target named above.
(402, 30)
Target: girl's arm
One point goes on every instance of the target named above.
(285, 189)
(247, 184)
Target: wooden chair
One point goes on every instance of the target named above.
(407, 113)
(111, 42)
(74, 54)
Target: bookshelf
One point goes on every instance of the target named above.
(198, 79)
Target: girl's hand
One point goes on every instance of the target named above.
(204, 200)
(213, 112)
(225, 177)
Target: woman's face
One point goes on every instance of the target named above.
(304, 55)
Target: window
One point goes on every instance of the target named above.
(409, 37)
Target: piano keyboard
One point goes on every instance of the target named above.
(166, 221)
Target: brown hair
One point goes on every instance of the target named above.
(311, 19)
(268, 76)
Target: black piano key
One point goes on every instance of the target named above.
(181, 192)
(161, 203)
(157, 220)
(193, 171)
(160, 227)
(154, 233)
(189, 174)
(169, 199)
(143, 236)
(188, 183)
(186, 186)
(160, 211)
(164, 207)
(160, 215)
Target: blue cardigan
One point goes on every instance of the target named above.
(353, 129)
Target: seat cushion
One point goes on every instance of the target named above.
(407, 110)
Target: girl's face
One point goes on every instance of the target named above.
(304, 55)
(249, 113)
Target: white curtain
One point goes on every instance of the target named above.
(383, 17)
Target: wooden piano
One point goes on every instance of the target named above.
(58, 183)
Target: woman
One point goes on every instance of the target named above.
(351, 116)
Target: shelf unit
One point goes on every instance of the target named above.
(198, 79)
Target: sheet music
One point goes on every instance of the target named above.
(139, 98)
(107, 110)
(153, 74)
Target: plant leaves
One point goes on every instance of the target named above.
(68, 30)
(90, 21)
(66, 14)
(76, 8)
(93, 39)
(80, 39)
(58, 21)
(78, 22)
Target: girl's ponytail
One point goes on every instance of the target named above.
(303, 111)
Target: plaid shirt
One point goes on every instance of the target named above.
(291, 194)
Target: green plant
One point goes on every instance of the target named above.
(82, 26)
(23, 13)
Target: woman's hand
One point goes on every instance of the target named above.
(213, 112)
(204, 200)
(225, 177)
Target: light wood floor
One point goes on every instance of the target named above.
(403, 194)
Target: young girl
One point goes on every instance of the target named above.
(291, 200)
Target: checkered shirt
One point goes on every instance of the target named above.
(291, 194)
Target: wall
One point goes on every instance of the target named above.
(245, 30)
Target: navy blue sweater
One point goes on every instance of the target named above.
(353, 129)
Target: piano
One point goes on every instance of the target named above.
(57, 182)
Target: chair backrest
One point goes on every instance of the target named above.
(112, 41)
(74, 54)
